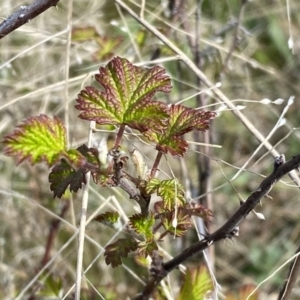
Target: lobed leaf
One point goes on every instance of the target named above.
(37, 139)
(181, 120)
(127, 96)
(143, 225)
(197, 284)
(146, 248)
(183, 222)
(121, 248)
(170, 191)
(152, 185)
(72, 169)
(64, 175)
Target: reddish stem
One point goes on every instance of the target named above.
(155, 229)
(156, 164)
(119, 136)
(163, 235)
(54, 226)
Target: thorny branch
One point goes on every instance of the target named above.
(24, 15)
(228, 230)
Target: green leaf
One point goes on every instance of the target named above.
(152, 185)
(143, 225)
(64, 175)
(37, 139)
(110, 217)
(83, 34)
(127, 96)
(52, 287)
(115, 251)
(197, 284)
(171, 192)
(181, 120)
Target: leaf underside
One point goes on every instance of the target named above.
(115, 251)
(67, 174)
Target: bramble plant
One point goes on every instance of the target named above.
(126, 100)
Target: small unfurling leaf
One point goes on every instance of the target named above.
(142, 224)
(171, 192)
(146, 248)
(110, 217)
(183, 222)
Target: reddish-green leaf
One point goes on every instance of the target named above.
(182, 225)
(146, 248)
(37, 139)
(142, 224)
(243, 293)
(183, 219)
(127, 96)
(197, 285)
(198, 210)
(115, 251)
(181, 120)
(171, 192)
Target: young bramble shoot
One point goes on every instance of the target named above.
(126, 99)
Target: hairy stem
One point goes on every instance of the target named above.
(119, 136)
(54, 226)
(156, 164)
